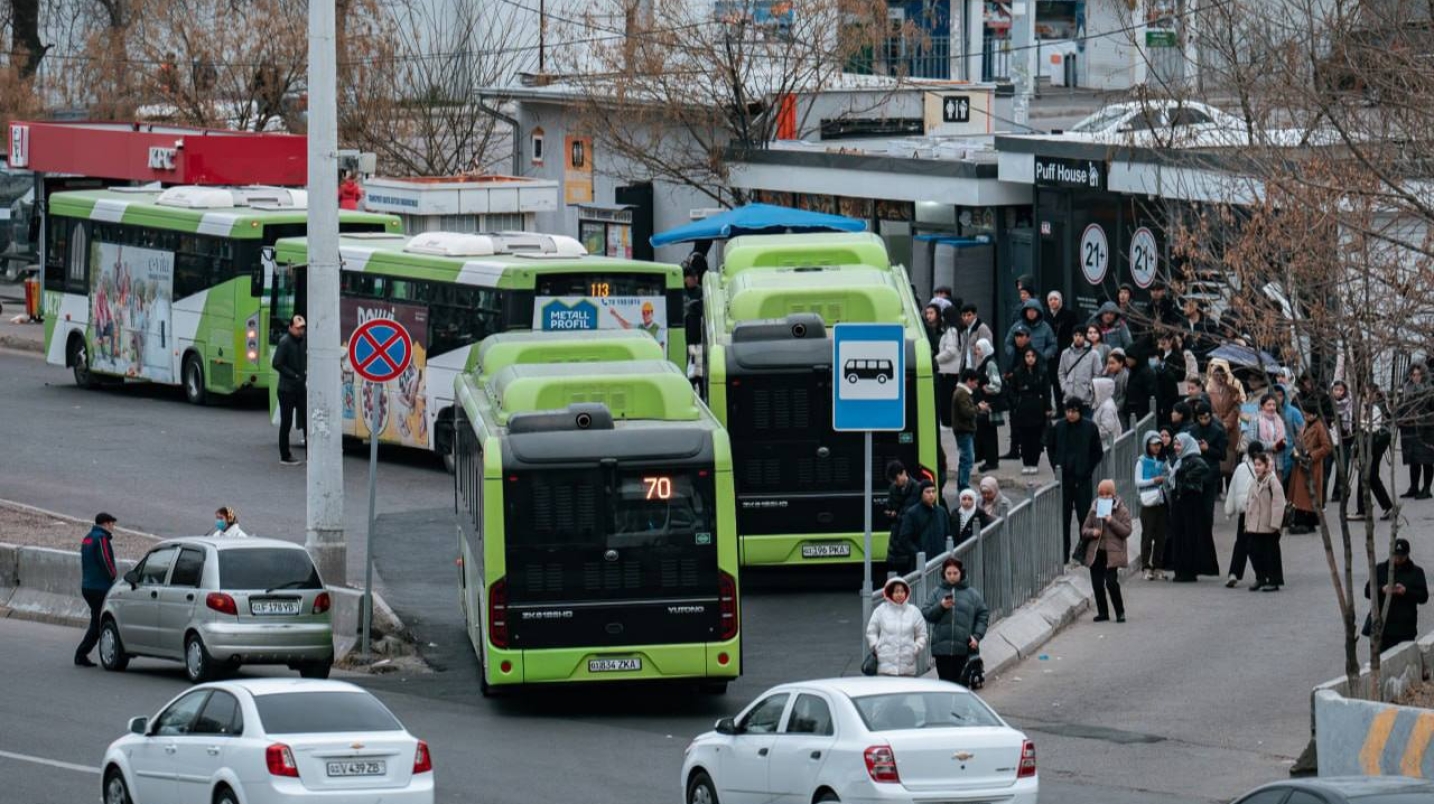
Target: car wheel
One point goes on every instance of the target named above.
(116, 791)
(112, 655)
(827, 796)
(225, 796)
(315, 669)
(80, 363)
(194, 381)
(198, 664)
(701, 790)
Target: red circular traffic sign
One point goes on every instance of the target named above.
(380, 350)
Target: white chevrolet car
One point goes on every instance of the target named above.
(269, 741)
(879, 739)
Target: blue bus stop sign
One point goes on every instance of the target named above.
(868, 377)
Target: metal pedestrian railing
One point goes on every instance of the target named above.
(1014, 558)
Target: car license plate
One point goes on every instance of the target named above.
(273, 607)
(372, 767)
(837, 550)
(613, 665)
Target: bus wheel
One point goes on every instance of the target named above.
(79, 359)
(194, 380)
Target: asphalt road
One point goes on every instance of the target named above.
(1203, 694)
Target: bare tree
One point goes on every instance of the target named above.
(26, 49)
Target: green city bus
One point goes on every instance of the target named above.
(453, 290)
(167, 286)
(597, 531)
(800, 492)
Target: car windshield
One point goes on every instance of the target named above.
(1100, 120)
(267, 568)
(924, 710)
(323, 713)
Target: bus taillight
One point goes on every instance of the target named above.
(498, 613)
(926, 474)
(727, 597)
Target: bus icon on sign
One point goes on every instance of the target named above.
(867, 370)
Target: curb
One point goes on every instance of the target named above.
(79, 522)
(20, 343)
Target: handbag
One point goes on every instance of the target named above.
(869, 664)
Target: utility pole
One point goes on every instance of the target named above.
(324, 535)
(542, 37)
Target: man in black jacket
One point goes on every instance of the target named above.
(292, 366)
(1408, 590)
(1073, 445)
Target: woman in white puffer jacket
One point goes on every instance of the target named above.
(897, 631)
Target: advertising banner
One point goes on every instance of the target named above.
(131, 297)
(585, 313)
(403, 409)
(578, 173)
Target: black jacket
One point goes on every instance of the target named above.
(1215, 435)
(1029, 393)
(292, 364)
(1075, 448)
(1169, 372)
(1062, 324)
(1403, 622)
(1138, 390)
(952, 629)
(925, 529)
(692, 314)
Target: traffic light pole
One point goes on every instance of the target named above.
(324, 535)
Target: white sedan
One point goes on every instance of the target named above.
(269, 741)
(880, 739)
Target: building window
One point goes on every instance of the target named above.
(537, 146)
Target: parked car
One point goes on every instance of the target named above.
(862, 739)
(1164, 122)
(265, 741)
(215, 603)
(1343, 790)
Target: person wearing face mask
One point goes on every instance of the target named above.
(1107, 525)
(896, 632)
(958, 617)
(226, 523)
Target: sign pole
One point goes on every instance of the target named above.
(867, 590)
(379, 388)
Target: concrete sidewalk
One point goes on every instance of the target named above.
(1206, 690)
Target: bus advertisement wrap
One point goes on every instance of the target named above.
(131, 293)
(402, 404)
(585, 313)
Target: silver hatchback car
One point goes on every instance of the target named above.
(218, 602)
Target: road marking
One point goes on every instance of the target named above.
(1374, 741)
(1413, 761)
(54, 763)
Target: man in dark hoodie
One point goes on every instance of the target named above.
(924, 526)
(1043, 338)
(97, 575)
(1139, 388)
(1073, 446)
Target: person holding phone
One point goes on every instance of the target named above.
(1103, 535)
(958, 617)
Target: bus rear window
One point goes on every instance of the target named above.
(609, 509)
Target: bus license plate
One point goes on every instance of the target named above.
(273, 607)
(613, 665)
(375, 767)
(826, 550)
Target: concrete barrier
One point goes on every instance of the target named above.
(9, 572)
(1366, 738)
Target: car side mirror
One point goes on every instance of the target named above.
(728, 726)
(138, 725)
(132, 578)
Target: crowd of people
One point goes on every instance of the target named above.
(1262, 442)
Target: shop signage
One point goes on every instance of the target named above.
(1053, 171)
(1159, 37)
(1094, 254)
(19, 146)
(162, 158)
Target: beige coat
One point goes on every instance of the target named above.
(1265, 507)
(1108, 535)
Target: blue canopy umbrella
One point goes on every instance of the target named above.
(1246, 356)
(757, 219)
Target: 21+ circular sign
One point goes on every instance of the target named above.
(1144, 257)
(1094, 254)
(380, 350)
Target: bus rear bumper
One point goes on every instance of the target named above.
(825, 548)
(710, 661)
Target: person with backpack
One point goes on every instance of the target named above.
(958, 616)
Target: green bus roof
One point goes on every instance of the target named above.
(497, 352)
(140, 207)
(386, 254)
(632, 389)
(794, 250)
(837, 294)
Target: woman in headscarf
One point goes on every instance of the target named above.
(988, 417)
(1268, 428)
(1189, 548)
(968, 519)
(1030, 407)
(1341, 433)
(1314, 447)
(1415, 442)
(1294, 426)
(1226, 394)
(1151, 470)
(993, 502)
